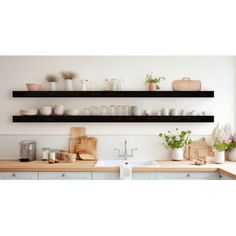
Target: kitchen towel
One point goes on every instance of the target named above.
(125, 171)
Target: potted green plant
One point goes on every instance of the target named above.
(176, 142)
(220, 141)
(52, 79)
(68, 76)
(153, 82)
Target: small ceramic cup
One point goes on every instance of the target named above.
(174, 112)
(165, 112)
(135, 111)
(46, 111)
(59, 110)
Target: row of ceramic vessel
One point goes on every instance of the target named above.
(112, 110)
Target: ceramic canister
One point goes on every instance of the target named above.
(165, 112)
(135, 111)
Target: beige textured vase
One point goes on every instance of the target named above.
(152, 86)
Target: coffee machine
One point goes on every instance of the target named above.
(27, 150)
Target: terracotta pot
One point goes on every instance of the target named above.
(152, 86)
(33, 87)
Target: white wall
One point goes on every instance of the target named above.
(216, 73)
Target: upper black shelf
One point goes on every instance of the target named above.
(104, 94)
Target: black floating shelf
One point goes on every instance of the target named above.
(115, 119)
(102, 94)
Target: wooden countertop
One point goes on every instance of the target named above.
(228, 168)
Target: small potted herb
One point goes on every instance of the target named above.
(153, 82)
(52, 79)
(176, 142)
(68, 76)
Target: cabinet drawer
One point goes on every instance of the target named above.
(105, 175)
(224, 177)
(19, 175)
(143, 176)
(188, 175)
(65, 176)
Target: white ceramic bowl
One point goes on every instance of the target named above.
(46, 111)
(29, 112)
(72, 112)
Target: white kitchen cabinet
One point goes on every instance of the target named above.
(18, 175)
(143, 176)
(116, 176)
(224, 177)
(187, 175)
(64, 175)
(105, 175)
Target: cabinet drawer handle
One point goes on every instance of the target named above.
(188, 175)
(13, 175)
(63, 175)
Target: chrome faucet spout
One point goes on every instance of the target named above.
(126, 154)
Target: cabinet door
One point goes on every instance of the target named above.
(187, 175)
(224, 177)
(105, 175)
(65, 175)
(18, 175)
(143, 176)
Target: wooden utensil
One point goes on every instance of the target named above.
(198, 150)
(87, 145)
(186, 84)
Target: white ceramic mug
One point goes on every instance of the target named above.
(59, 110)
(46, 110)
(135, 111)
(165, 112)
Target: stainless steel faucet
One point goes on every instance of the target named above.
(125, 155)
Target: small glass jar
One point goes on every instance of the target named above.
(120, 85)
(94, 111)
(119, 110)
(52, 156)
(103, 110)
(86, 111)
(114, 84)
(45, 154)
(107, 85)
(126, 110)
(112, 110)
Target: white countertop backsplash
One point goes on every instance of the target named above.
(149, 146)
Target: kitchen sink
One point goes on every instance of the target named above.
(134, 163)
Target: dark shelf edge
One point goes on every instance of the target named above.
(113, 119)
(104, 94)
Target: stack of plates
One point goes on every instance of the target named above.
(29, 112)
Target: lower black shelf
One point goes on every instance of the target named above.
(107, 119)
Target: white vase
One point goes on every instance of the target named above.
(52, 86)
(232, 155)
(68, 85)
(177, 154)
(219, 157)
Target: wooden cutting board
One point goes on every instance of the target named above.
(76, 133)
(199, 149)
(87, 145)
